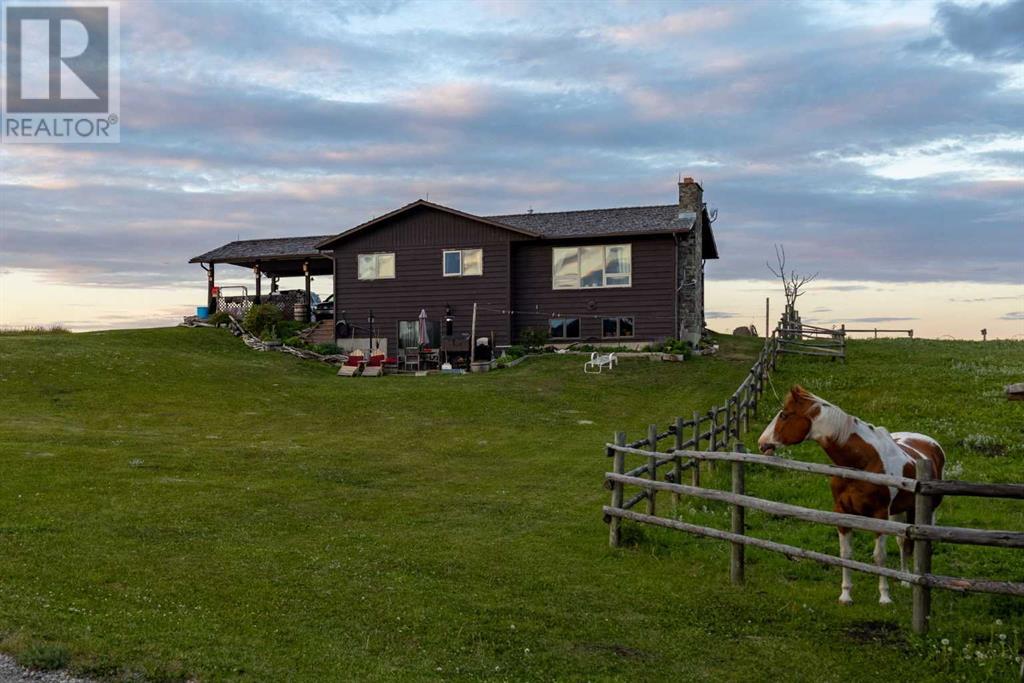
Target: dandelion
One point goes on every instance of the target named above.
(527, 650)
(945, 641)
(1002, 636)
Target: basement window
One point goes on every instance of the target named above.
(376, 266)
(589, 267)
(617, 327)
(564, 328)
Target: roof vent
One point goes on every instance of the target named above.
(688, 216)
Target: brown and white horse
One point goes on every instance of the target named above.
(851, 442)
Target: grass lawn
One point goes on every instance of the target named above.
(173, 504)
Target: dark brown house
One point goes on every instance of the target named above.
(602, 275)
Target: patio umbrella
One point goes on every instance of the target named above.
(421, 329)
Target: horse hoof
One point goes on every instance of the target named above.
(845, 600)
(885, 600)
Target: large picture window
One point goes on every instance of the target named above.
(462, 262)
(376, 266)
(587, 267)
(617, 327)
(564, 328)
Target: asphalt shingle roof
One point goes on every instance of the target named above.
(277, 247)
(594, 222)
(552, 225)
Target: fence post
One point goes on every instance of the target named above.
(736, 564)
(652, 465)
(728, 419)
(619, 466)
(696, 446)
(678, 462)
(923, 514)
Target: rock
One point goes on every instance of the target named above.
(1015, 392)
(745, 331)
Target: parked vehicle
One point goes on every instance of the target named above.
(323, 310)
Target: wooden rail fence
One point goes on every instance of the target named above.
(922, 533)
(797, 338)
(704, 436)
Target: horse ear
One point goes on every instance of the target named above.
(798, 392)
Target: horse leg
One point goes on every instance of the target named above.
(846, 552)
(883, 582)
(905, 546)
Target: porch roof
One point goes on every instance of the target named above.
(280, 256)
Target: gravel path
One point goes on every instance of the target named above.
(10, 672)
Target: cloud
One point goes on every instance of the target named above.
(988, 31)
(718, 314)
(868, 158)
(1013, 315)
(878, 319)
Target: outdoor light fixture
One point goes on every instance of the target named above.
(448, 320)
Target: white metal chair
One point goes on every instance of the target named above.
(599, 362)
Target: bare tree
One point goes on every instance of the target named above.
(792, 282)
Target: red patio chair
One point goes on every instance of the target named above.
(353, 364)
(375, 366)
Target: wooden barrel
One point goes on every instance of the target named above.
(300, 312)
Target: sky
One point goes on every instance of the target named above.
(881, 143)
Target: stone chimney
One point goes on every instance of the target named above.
(690, 266)
(691, 196)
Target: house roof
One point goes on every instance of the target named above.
(330, 241)
(282, 256)
(620, 222)
(289, 252)
(601, 222)
(277, 247)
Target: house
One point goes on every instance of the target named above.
(601, 275)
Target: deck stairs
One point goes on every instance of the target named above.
(321, 333)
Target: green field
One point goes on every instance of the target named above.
(175, 505)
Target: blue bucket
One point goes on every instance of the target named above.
(202, 312)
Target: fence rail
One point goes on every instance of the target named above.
(922, 534)
(703, 437)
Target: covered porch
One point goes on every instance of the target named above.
(271, 259)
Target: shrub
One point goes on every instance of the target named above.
(674, 346)
(259, 319)
(219, 318)
(289, 328)
(34, 329)
(532, 337)
(294, 341)
(514, 352)
(326, 349)
(45, 657)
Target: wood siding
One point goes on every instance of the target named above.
(418, 239)
(650, 301)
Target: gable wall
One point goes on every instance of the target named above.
(418, 239)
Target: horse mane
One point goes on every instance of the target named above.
(834, 422)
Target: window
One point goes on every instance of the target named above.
(564, 328)
(462, 262)
(408, 334)
(588, 267)
(617, 327)
(376, 267)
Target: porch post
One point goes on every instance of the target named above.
(259, 278)
(309, 300)
(211, 298)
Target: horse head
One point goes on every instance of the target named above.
(792, 424)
